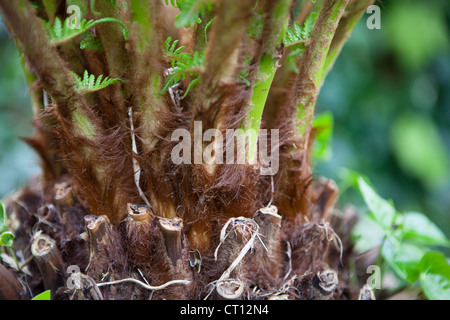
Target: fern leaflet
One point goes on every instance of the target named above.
(91, 42)
(310, 22)
(297, 33)
(89, 84)
(182, 66)
(61, 32)
(242, 77)
(296, 37)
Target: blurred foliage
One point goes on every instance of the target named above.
(17, 160)
(323, 125)
(406, 241)
(389, 94)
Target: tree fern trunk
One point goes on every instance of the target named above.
(113, 202)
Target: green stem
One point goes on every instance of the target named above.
(312, 63)
(15, 258)
(275, 27)
(347, 24)
(267, 70)
(222, 49)
(145, 26)
(114, 41)
(145, 43)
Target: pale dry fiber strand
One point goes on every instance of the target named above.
(136, 167)
(148, 287)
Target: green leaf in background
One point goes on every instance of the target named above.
(6, 239)
(420, 150)
(435, 276)
(46, 295)
(349, 179)
(366, 234)
(404, 244)
(404, 259)
(3, 218)
(417, 33)
(381, 210)
(418, 228)
(323, 125)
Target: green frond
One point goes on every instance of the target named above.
(61, 32)
(296, 37)
(91, 42)
(293, 34)
(297, 34)
(242, 77)
(182, 65)
(89, 84)
(310, 22)
(192, 84)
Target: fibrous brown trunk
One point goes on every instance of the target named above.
(132, 222)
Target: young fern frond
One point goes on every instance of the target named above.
(190, 11)
(297, 33)
(182, 65)
(296, 38)
(91, 42)
(171, 51)
(89, 84)
(294, 35)
(62, 32)
(243, 76)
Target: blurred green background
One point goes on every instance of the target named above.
(17, 160)
(389, 94)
